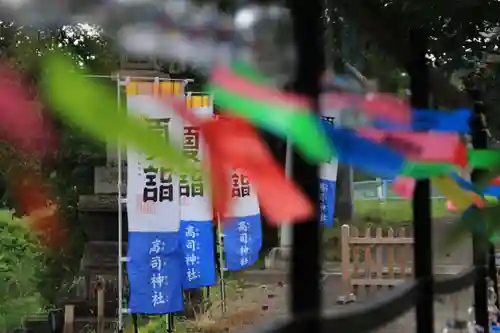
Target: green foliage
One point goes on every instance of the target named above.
(21, 261)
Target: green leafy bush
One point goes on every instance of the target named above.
(21, 259)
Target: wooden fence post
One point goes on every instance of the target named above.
(100, 310)
(69, 318)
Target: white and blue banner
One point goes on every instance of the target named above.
(197, 228)
(328, 177)
(243, 230)
(156, 263)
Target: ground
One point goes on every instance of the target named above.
(264, 297)
(261, 296)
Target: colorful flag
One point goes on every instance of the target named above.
(232, 143)
(451, 121)
(92, 107)
(284, 114)
(421, 146)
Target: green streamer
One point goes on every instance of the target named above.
(92, 107)
(301, 126)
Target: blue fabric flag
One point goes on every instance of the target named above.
(242, 241)
(493, 191)
(431, 120)
(155, 270)
(363, 154)
(327, 192)
(197, 241)
(328, 178)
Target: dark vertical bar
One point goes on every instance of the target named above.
(492, 272)
(306, 266)
(479, 250)
(422, 220)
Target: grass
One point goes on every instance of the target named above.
(203, 313)
(389, 213)
(392, 212)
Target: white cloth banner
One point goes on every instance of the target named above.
(197, 232)
(152, 195)
(243, 231)
(155, 264)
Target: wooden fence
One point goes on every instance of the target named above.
(70, 321)
(375, 259)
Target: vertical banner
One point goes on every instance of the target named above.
(155, 260)
(197, 228)
(243, 230)
(328, 177)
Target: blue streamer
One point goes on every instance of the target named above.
(456, 121)
(491, 190)
(363, 154)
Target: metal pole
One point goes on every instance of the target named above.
(305, 268)
(286, 228)
(169, 320)
(479, 247)
(222, 268)
(422, 220)
(120, 213)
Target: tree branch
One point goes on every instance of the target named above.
(388, 32)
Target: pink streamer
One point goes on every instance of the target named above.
(424, 146)
(373, 105)
(233, 83)
(404, 186)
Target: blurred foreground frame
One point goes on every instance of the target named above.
(387, 32)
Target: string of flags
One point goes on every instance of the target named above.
(382, 135)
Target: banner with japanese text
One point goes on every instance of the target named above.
(197, 228)
(328, 177)
(155, 263)
(243, 230)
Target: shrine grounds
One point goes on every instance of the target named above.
(255, 296)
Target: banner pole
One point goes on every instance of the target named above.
(169, 321)
(222, 268)
(286, 228)
(120, 213)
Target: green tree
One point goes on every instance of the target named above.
(21, 261)
(68, 169)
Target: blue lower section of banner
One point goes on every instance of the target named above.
(327, 190)
(197, 242)
(155, 272)
(242, 241)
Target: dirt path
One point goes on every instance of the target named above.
(271, 305)
(265, 298)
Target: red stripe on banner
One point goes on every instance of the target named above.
(428, 147)
(145, 207)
